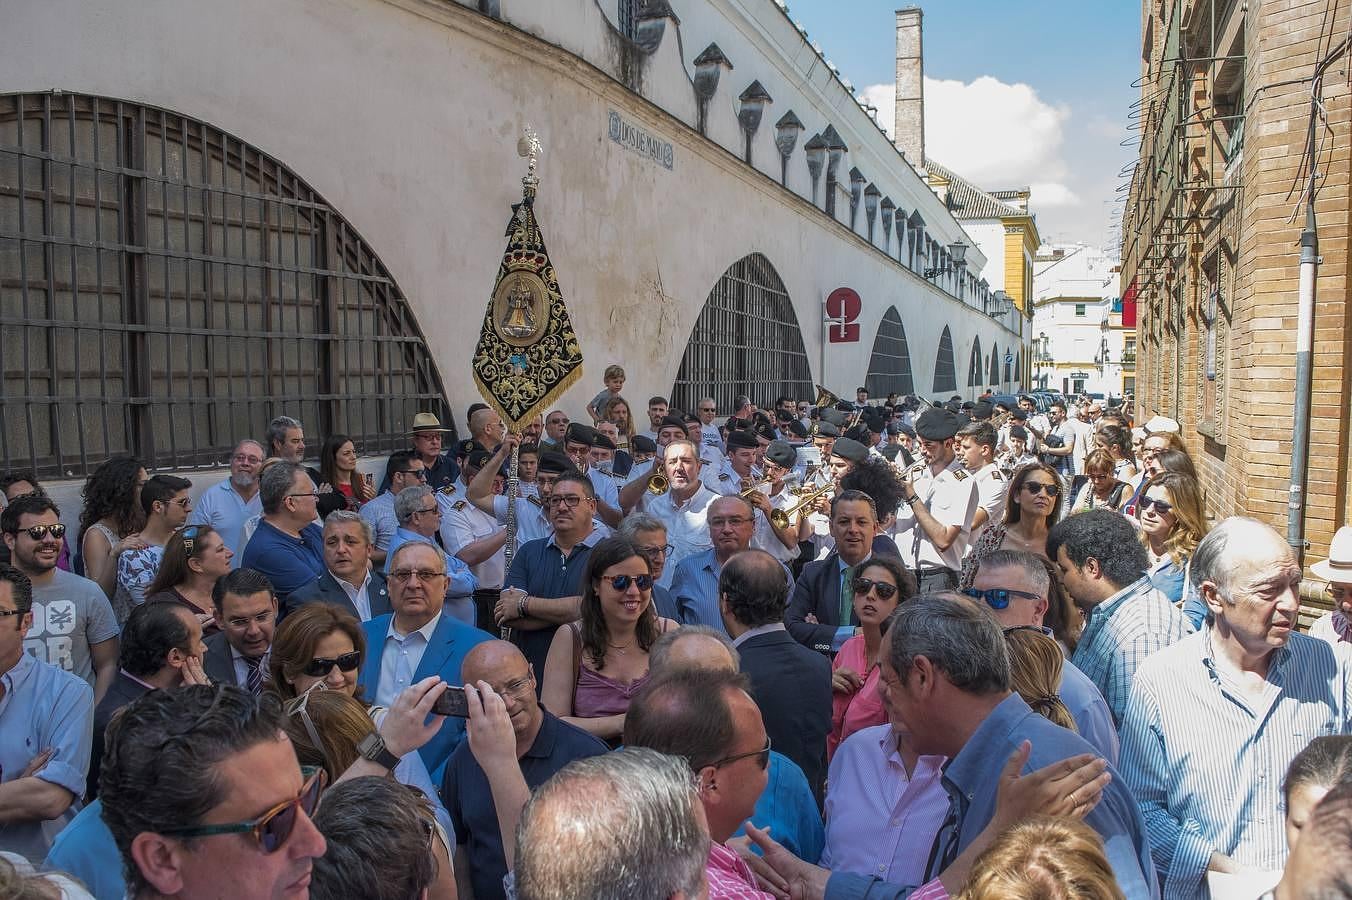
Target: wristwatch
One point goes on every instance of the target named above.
(372, 748)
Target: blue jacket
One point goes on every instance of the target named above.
(451, 642)
(325, 589)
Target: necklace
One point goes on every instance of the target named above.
(619, 649)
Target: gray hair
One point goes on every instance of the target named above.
(624, 824)
(277, 430)
(276, 483)
(409, 500)
(659, 655)
(640, 521)
(348, 517)
(1211, 562)
(957, 636)
(1031, 567)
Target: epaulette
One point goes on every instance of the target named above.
(960, 475)
(458, 505)
(531, 498)
(723, 476)
(447, 490)
(704, 462)
(997, 475)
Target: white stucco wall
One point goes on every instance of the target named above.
(404, 114)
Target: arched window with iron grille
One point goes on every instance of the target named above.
(945, 372)
(994, 379)
(166, 289)
(976, 366)
(889, 368)
(745, 341)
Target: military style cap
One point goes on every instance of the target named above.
(580, 434)
(765, 431)
(937, 424)
(555, 462)
(796, 428)
(1018, 415)
(982, 410)
(642, 444)
(825, 429)
(602, 441)
(742, 440)
(670, 421)
(834, 416)
(781, 454)
(849, 449)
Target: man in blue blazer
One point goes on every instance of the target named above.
(349, 580)
(418, 640)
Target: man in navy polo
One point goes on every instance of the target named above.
(288, 545)
(543, 746)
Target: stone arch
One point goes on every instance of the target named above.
(889, 366)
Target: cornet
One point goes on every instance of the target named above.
(782, 518)
(658, 484)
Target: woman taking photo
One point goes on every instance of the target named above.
(1173, 522)
(596, 665)
(194, 559)
(879, 588)
(1098, 488)
(1032, 506)
(338, 472)
(111, 519)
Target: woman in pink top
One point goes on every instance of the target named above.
(596, 665)
(879, 586)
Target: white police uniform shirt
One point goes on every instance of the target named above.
(951, 498)
(687, 525)
(725, 480)
(764, 537)
(606, 487)
(990, 490)
(463, 523)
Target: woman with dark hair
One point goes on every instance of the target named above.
(338, 473)
(881, 481)
(1063, 617)
(111, 519)
(1032, 507)
(194, 559)
(596, 665)
(879, 587)
(1116, 440)
(1157, 460)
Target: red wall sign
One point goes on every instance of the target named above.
(843, 304)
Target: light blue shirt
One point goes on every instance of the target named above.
(85, 849)
(379, 514)
(460, 581)
(221, 507)
(399, 659)
(1090, 711)
(695, 588)
(1206, 760)
(789, 810)
(43, 706)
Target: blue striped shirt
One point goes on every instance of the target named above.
(1121, 632)
(1206, 761)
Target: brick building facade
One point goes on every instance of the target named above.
(1211, 245)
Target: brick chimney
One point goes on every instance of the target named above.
(909, 134)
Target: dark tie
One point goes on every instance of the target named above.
(254, 678)
(945, 848)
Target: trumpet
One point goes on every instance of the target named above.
(658, 484)
(782, 518)
(755, 486)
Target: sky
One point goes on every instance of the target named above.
(1018, 93)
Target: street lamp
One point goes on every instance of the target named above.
(956, 259)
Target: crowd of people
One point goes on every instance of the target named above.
(827, 650)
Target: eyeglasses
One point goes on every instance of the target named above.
(569, 500)
(184, 502)
(404, 576)
(428, 509)
(1040, 629)
(1035, 488)
(314, 494)
(518, 687)
(321, 666)
(621, 582)
(246, 458)
(1152, 451)
(5, 613)
(664, 550)
(763, 757)
(38, 532)
(885, 591)
(708, 409)
(998, 598)
(420, 474)
(1161, 507)
(272, 829)
(728, 521)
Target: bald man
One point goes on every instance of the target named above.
(543, 746)
(786, 805)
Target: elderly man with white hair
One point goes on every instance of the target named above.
(1214, 720)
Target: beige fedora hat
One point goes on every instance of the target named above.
(1338, 567)
(426, 421)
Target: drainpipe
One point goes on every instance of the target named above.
(1300, 437)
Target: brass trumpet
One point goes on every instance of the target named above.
(658, 484)
(754, 486)
(782, 518)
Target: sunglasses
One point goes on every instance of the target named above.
(998, 598)
(272, 829)
(1036, 488)
(622, 582)
(664, 550)
(321, 666)
(38, 532)
(1040, 629)
(189, 535)
(762, 757)
(1161, 507)
(885, 591)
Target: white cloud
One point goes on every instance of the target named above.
(1051, 193)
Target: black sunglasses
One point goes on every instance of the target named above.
(885, 591)
(321, 666)
(621, 582)
(998, 598)
(1036, 488)
(38, 532)
(1161, 506)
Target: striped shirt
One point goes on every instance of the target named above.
(1206, 761)
(1121, 632)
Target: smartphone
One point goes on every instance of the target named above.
(452, 703)
(369, 479)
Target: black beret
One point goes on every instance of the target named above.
(783, 415)
(936, 424)
(796, 428)
(890, 452)
(670, 421)
(845, 406)
(982, 410)
(908, 430)
(478, 458)
(825, 429)
(849, 449)
(578, 433)
(781, 454)
(600, 440)
(834, 416)
(1018, 415)
(553, 461)
(859, 433)
(641, 443)
(765, 431)
(466, 447)
(742, 440)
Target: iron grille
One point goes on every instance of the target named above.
(889, 368)
(945, 372)
(974, 366)
(628, 16)
(995, 367)
(166, 289)
(746, 341)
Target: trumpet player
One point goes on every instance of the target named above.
(637, 489)
(738, 471)
(683, 508)
(939, 503)
(771, 494)
(846, 456)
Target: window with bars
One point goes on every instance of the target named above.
(627, 13)
(974, 365)
(889, 367)
(166, 289)
(945, 372)
(995, 367)
(745, 341)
